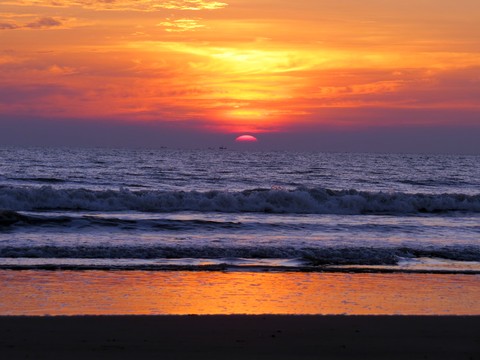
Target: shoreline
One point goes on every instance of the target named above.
(340, 269)
(240, 337)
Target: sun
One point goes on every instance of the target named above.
(246, 138)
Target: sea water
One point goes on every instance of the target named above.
(219, 209)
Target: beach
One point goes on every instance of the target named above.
(240, 337)
(168, 315)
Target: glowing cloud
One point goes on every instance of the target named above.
(194, 5)
(181, 25)
(130, 5)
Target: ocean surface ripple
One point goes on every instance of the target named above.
(164, 209)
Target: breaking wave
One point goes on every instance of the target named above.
(280, 201)
(313, 256)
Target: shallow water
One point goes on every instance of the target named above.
(181, 293)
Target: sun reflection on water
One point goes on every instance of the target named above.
(136, 292)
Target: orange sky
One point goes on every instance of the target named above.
(234, 66)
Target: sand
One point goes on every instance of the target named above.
(240, 337)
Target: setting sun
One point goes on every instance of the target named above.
(246, 138)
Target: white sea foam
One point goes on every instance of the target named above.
(298, 201)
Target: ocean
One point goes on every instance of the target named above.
(224, 210)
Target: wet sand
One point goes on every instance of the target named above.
(240, 337)
(226, 293)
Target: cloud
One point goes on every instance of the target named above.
(126, 5)
(181, 25)
(45, 22)
(40, 23)
(194, 5)
(6, 59)
(8, 26)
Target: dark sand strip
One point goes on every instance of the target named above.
(240, 337)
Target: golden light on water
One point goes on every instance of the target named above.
(137, 292)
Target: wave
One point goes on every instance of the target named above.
(40, 180)
(296, 201)
(12, 221)
(13, 218)
(311, 256)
